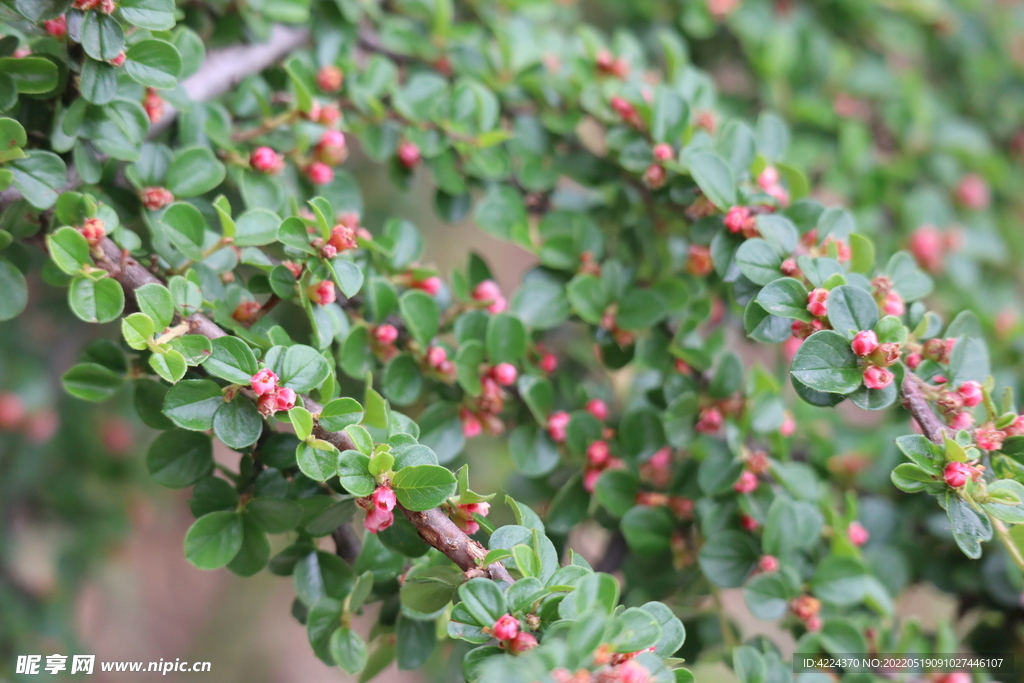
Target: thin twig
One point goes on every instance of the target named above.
(914, 401)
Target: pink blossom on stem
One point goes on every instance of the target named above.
(864, 343)
(857, 534)
(378, 520)
(597, 408)
(768, 563)
(384, 498)
(971, 393)
(558, 422)
(322, 292)
(264, 382)
(504, 374)
(506, 627)
(817, 302)
(876, 377)
(385, 334)
(284, 399)
(747, 483)
(956, 474)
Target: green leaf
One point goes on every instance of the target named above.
(194, 171)
(506, 339)
(419, 311)
(429, 589)
(38, 176)
(69, 250)
(340, 413)
(255, 227)
(15, 289)
(192, 404)
(38, 10)
(970, 527)
(588, 296)
(31, 75)
(540, 302)
(759, 261)
(92, 382)
(317, 464)
(483, 600)
(728, 557)
(767, 596)
(214, 539)
(841, 580)
(154, 64)
(302, 421)
(348, 650)
(353, 468)
(851, 309)
(238, 423)
(255, 550)
(402, 381)
(673, 634)
(179, 458)
(785, 297)
(825, 362)
(648, 530)
(422, 487)
(299, 367)
(170, 365)
(598, 591)
(96, 301)
(185, 227)
(348, 276)
(467, 366)
(502, 213)
(102, 37)
(637, 630)
(749, 665)
(791, 525)
(156, 15)
(155, 301)
(714, 178)
(232, 359)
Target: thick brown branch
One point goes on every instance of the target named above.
(914, 401)
(439, 531)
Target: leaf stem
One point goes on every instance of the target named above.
(1011, 547)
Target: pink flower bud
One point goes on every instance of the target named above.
(1016, 427)
(655, 176)
(699, 262)
(504, 374)
(549, 363)
(319, 173)
(12, 411)
(558, 422)
(322, 292)
(768, 563)
(876, 377)
(927, 246)
(597, 408)
(631, 671)
(598, 453)
(747, 483)
(857, 534)
(710, 421)
(470, 424)
(971, 393)
(93, 231)
(384, 498)
(436, 355)
(329, 78)
(487, 290)
(956, 474)
(378, 520)
(663, 151)
(961, 421)
(246, 310)
(58, 28)
(264, 382)
(768, 178)
(788, 426)
(385, 334)
(814, 624)
(758, 463)
(748, 523)
(408, 155)
(988, 437)
(343, 238)
(119, 59)
(266, 160)
(432, 285)
(893, 304)
(40, 426)
(817, 302)
(789, 268)
(736, 218)
(267, 403)
(155, 198)
(331, 149)
(803, 330)
(284, 399)
(521, 643)
(506, 627)
(865, 343)
(973, 192)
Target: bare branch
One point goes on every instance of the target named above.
(440, 532)
(914, 401)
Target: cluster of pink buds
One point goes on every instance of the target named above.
(740, 220)
(270, 397)
(558, 423)
(806, 609)
(343, 238)
(58, 28)
(610, 65)
(973, 192)
(817, 302)
(332, 149)
(680, 506)
(599, 459)
(322, 292)
(877, 357)
(155, 198)
(956, 474)
(38, 427)
(929, 245)
(769, 182)
(384, 337)
(627, 112)
(515, 640)
(857, 534)
(330, 78)
(324, 114)
(954, 405)
(938, 350)
(266, 160)
(105, 6)
(408, 154)
(93, 230)
(485, 414)
(246, 310)
(699, 261)
(658, 468)
(379, 514)
(989, 437)
(154, 105)
(655, 175)
(489, 293)
(437, 358)
(462, 515)
(888, 298)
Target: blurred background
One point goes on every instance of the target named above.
(893, 104)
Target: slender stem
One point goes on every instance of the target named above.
(172, 333)
(1011, 547)
(915, 401)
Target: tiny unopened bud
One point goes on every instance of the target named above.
(971, 393)
(93, 230)
(558, 422)
(864, 343)
(747, 483)
(408, 154)
(956, 474)
(768, 563)
(504, 374)
(266, 160)
(597, 408)
(58, 28)
(385, 334)
(857, 534)
(506, 627)
(329, 78)
(319, 173)
(322, 292)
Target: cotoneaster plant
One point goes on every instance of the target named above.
(217, 225)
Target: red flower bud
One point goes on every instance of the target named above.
(597, 408)
(876, 377)
(408, 155)
(558, 422)
(857, 534)
(246, 310)
(504, 374)
(284, 399)
(322, 292)
(988, 437)
(710, 421)
(956, 474)
(329, 78)
(506, 627)
(58, 28)
(768, 563)
(521, 643)
(663, 151)
(385, 334)
(384, 498)
(971, 393)
(93, 231)
(973, 192)
(431, 285)
(699, 262)
(549, 362)
(319, 173)
(865, 343)
(12, 411)
(266, 160)
(378, 520)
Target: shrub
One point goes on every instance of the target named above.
(216, 223)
